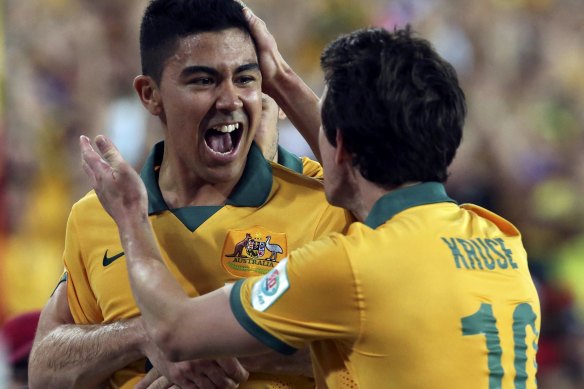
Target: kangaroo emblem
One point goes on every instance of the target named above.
(239, 246)
(273, 248)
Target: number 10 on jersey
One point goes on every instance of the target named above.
(483, 322)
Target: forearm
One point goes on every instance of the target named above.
(281, 83)
(84, 356)
(299, 103)
(158, 295)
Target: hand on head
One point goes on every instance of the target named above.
(271, 61)
(117, 185)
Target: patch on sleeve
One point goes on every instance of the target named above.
(270, 287)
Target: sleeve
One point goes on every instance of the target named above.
(62, 279)
(82, 302)
(312, 295)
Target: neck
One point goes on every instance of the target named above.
(182, 188)
(367, 194)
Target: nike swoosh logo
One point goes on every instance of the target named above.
(108, 260)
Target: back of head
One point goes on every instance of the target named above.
(165, 22)
(397, 104)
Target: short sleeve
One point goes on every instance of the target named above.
(82, 302)
(312, 295)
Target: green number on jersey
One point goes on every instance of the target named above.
(483, 322)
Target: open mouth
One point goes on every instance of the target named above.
(224, 138)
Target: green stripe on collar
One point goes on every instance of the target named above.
(399, 200)
(252, 190)
(255, 184)
(149, 175)
(193, 217)
(289, 160)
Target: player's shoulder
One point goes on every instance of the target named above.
(294, 180)
(88, 205)
(312, 168)
(502, 224)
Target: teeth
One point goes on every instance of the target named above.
(227, 128)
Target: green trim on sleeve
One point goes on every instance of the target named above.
(250, 326)
(61, 280)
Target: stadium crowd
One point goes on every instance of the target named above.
(65, 73)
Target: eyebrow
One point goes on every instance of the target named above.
(214, 72)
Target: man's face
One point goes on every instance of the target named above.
(212, 103)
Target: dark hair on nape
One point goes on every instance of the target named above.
(166, 21)
(397, 104)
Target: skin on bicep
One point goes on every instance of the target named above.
(56, 312)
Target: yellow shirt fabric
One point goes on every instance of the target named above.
(270, 212)
(424, 294)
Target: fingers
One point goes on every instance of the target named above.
(160, 383)
(227, 373)
(234, 369)
(107, 162)
(108, 151)
(152, 376)
(91, 160)
(257, 25)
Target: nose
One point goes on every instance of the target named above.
(228, 99)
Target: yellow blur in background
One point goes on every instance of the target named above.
(66, 69)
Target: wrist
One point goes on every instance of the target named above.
(141, 337)
(283, 80)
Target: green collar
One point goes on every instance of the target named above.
(291, 161)
(397, 201)
(252, 190)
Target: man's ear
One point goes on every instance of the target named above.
(341, 154)
(149, 94)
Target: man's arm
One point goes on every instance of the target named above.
(279, 81)
(182, 327)
(66, 355)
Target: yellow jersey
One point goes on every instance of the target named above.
(423, 294)
(271, 211)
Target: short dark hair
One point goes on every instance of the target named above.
(166, 21)
(397, 104)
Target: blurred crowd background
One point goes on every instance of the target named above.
(66, 68)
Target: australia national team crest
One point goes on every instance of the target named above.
(253, 251)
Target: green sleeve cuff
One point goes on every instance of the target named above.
(250, 326)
